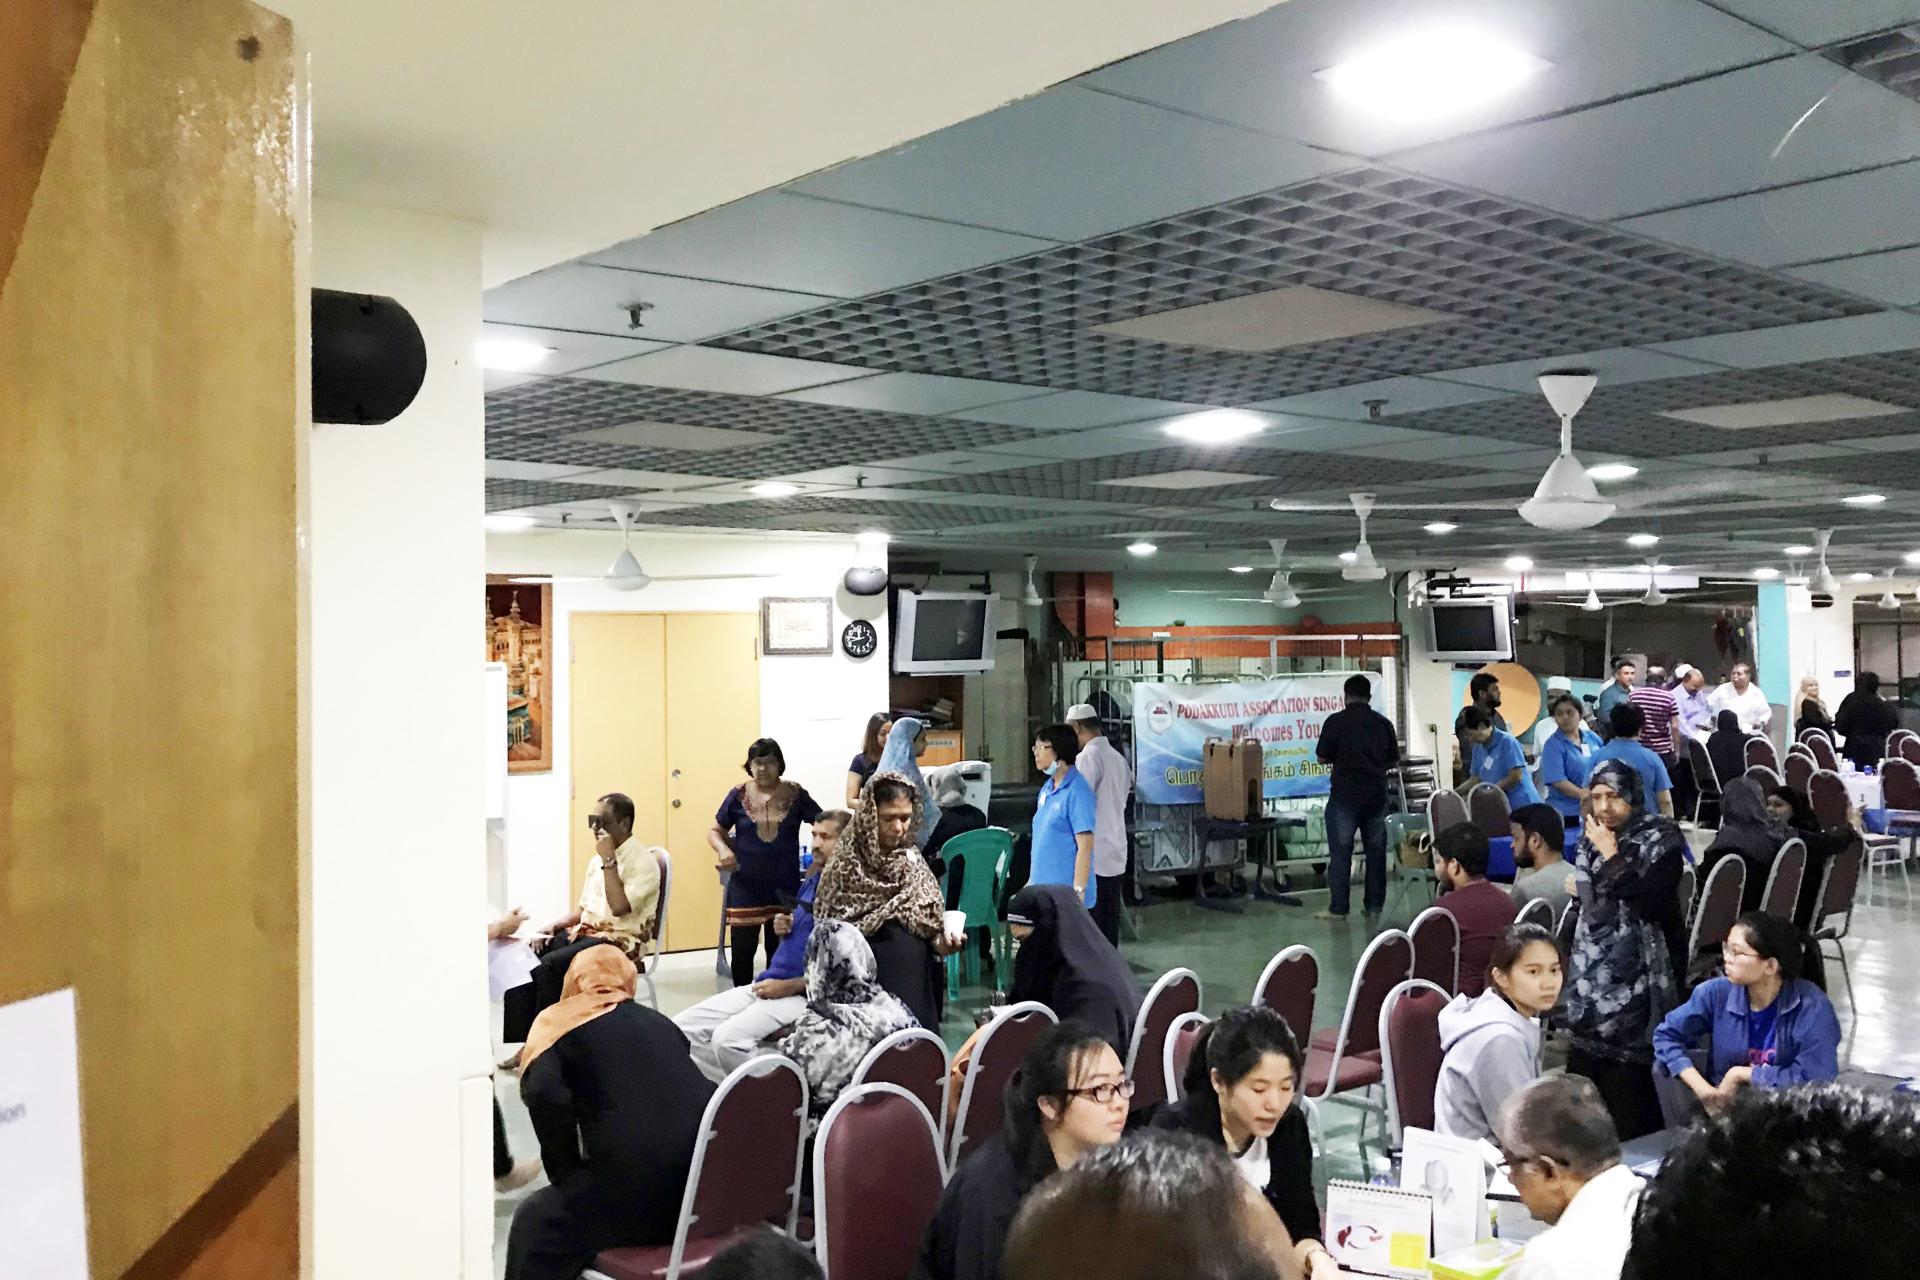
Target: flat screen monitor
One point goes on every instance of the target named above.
(943, 633)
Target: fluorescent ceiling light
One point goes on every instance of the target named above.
(1663, 568)
(774, 489)
(1766, 571)
(680, 436)
(511, 355)
(1429, 73)
(1859, 577)
(1642, 539)
(1793, 411)
(1613, 471)
(1141, 548)
(1217, 426)
(1348, 557)
(1797, 549)
(502, 522)
(1189, 479)
(1519, 564)
(1239, 568)
(1864, 499)
(1440, 526)
(1912, 557)
(1271, 320)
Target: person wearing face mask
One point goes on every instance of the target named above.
(1492, 1041)
(1064, 816)
(1566, 758)
(1240, 1092)
(756, 841)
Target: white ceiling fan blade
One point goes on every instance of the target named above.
(1642, 499)
(709, 577)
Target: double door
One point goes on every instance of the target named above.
(663, 706)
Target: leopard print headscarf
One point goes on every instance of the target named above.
(867, 888)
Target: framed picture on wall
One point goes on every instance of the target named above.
(796, 625)
(520, 638)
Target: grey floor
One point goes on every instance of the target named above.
(1228, 951)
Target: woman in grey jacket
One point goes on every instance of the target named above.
(1492, 1040)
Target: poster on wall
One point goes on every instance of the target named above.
(1172, 722)
(520, 638)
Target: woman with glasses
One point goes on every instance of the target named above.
(1763, 1026)
(1069, 1097)
(1240, 1088)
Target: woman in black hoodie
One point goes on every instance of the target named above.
(1864, 720)
(1240, 1085)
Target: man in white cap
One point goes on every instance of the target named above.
(1112, 781)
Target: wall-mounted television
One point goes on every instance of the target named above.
(1470, 629)
(943, 633)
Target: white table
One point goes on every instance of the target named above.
(1863, 790)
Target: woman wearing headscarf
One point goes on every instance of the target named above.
(1749, 831)
(1865, 719)
(1067, 964)
(617, 1103)
(1790, 806)
(906, 743)
(848, 1012)
(1809, 712)
(1621, 978)
(956, 818)
(1727, 747)
(879, 883)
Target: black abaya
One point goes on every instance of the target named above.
(910, 971)
(1067, 964)
(617, 1104)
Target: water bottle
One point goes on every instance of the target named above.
(806, 858)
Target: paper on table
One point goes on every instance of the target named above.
(43, 1201)
(1452, 1171)
(509, 961)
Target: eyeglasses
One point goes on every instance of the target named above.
(1730, 952)
(1104, 1094)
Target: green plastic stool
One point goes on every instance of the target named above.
(979, 895)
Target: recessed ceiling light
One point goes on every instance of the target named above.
(1794, 411)
(1217, 426)
(1519, 564)
(1431, 72)
(1912, 557)
(511, 355)
(1797, 549)
(1864, 499)
(1141, 548)
(1858, 576)
(1440, 526)
(1764, 572)
(774, 489)
(1239, 568)
(1663, 568)
(504, 523)
(1613, 471)
(1348, 557)
(1642, 539)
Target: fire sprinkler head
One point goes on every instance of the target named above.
(1567, 389)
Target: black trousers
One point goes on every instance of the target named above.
(524, 1003)
(1628, 1090)
(502, 1153)
(1108, 891)
(745, 939)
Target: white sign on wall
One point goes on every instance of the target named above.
(43, 1205)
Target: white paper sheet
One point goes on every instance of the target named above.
(509, 961)
(1452, 1171)
(43, 1201)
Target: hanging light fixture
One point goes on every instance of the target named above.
(1566, 497)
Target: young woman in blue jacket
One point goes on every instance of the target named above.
(1764, 1026)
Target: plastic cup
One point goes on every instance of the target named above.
(955, 925)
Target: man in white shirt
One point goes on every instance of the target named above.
(1742, 696)
(1112, 781)
(1563, 1155)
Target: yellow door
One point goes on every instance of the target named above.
(713, 712)
(619, 739)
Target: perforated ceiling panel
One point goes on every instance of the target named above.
(1520, 283)
(1891, 58)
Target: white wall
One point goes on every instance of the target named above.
(816, 706)
(1820, 642)
(395, 1128)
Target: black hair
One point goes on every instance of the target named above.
(1063, 740)
(1157, 1204)
(1624, 661)
(885, 790)
(1553, 703)
(763, 1254)
(838, 817)
(1476, 717)
(870, 745)
(1511, 942)
(1233, 1044)
(1627, 720)
(1812, 1181)
(1480, 684)
(1541, 820)
(1777, 940)
(1465, 844)
(1358, 687)
(620, 806)
(1046, 1071)
(1803, 818)
(1867, 682)
(762, 749)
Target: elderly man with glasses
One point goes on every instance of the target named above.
(1559, 1148)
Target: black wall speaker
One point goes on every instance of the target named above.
(368, 358)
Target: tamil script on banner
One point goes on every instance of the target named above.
(1172, 722)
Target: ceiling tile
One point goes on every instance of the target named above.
(675, 437)
(1892, 277)
(637, 479)
(915, 393)
(1185, 478)
(1797, 343)
(594, 299)
(568, 351)
(776, 240)
(1070, 163)
(1259, 72)
(1624, 364)
(877, 477)
(733, 372)
(1402, 395)
(1068, 410)
(1857, 213)
(1757, 127)
(1814, 22)
(499, 469)
(500, 379)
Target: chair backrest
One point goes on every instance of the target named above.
(989, 847)
(1564, 926)
(1811, 732)
(1445, 809)
(1782, 893)
(1798, 749)
(1910, 749)
(1684, 892)
(1487, 809)
(1385, 964)
(664, 861)
(1895, 741)
(915, 1059)
(1838, 885)
(1181, 1037)
(1828, 794)
(1410, 1053)
(996, 1056)
(1289, 985)
(1762, 774)
(1705, 776)
(1899, 783)
(746, 1164)
(1760, 751)
(1800, 770)
(1436, 948)
(1536, 911)
(1823, 753)
(877, 1181)
(1719, 904)
(1176, 992)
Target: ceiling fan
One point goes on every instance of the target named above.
(625, 573)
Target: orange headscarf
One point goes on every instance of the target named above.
(599, 980)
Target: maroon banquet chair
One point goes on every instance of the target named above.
(1289, 985)
(746, 1171)
(916, 1060)
(1801, 766)
(877, 1181)
(1719, 906)
(1181, 1037)
(1352, 1062)
(1487, 809)
(1445, 808)
(1176, 992)
(1760, 751)
(1706, 779)
(1436, 948)
(996, 1056)
(1828, 795)
(1782, 894)
(1910, 749)
(1410, 1054)
(1765, 775)
(1823, 753)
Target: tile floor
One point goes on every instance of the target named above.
(1228, 951)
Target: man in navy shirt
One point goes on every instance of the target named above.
(1361, 746)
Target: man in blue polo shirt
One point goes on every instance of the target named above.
(1497, 759)
(1625, 747)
